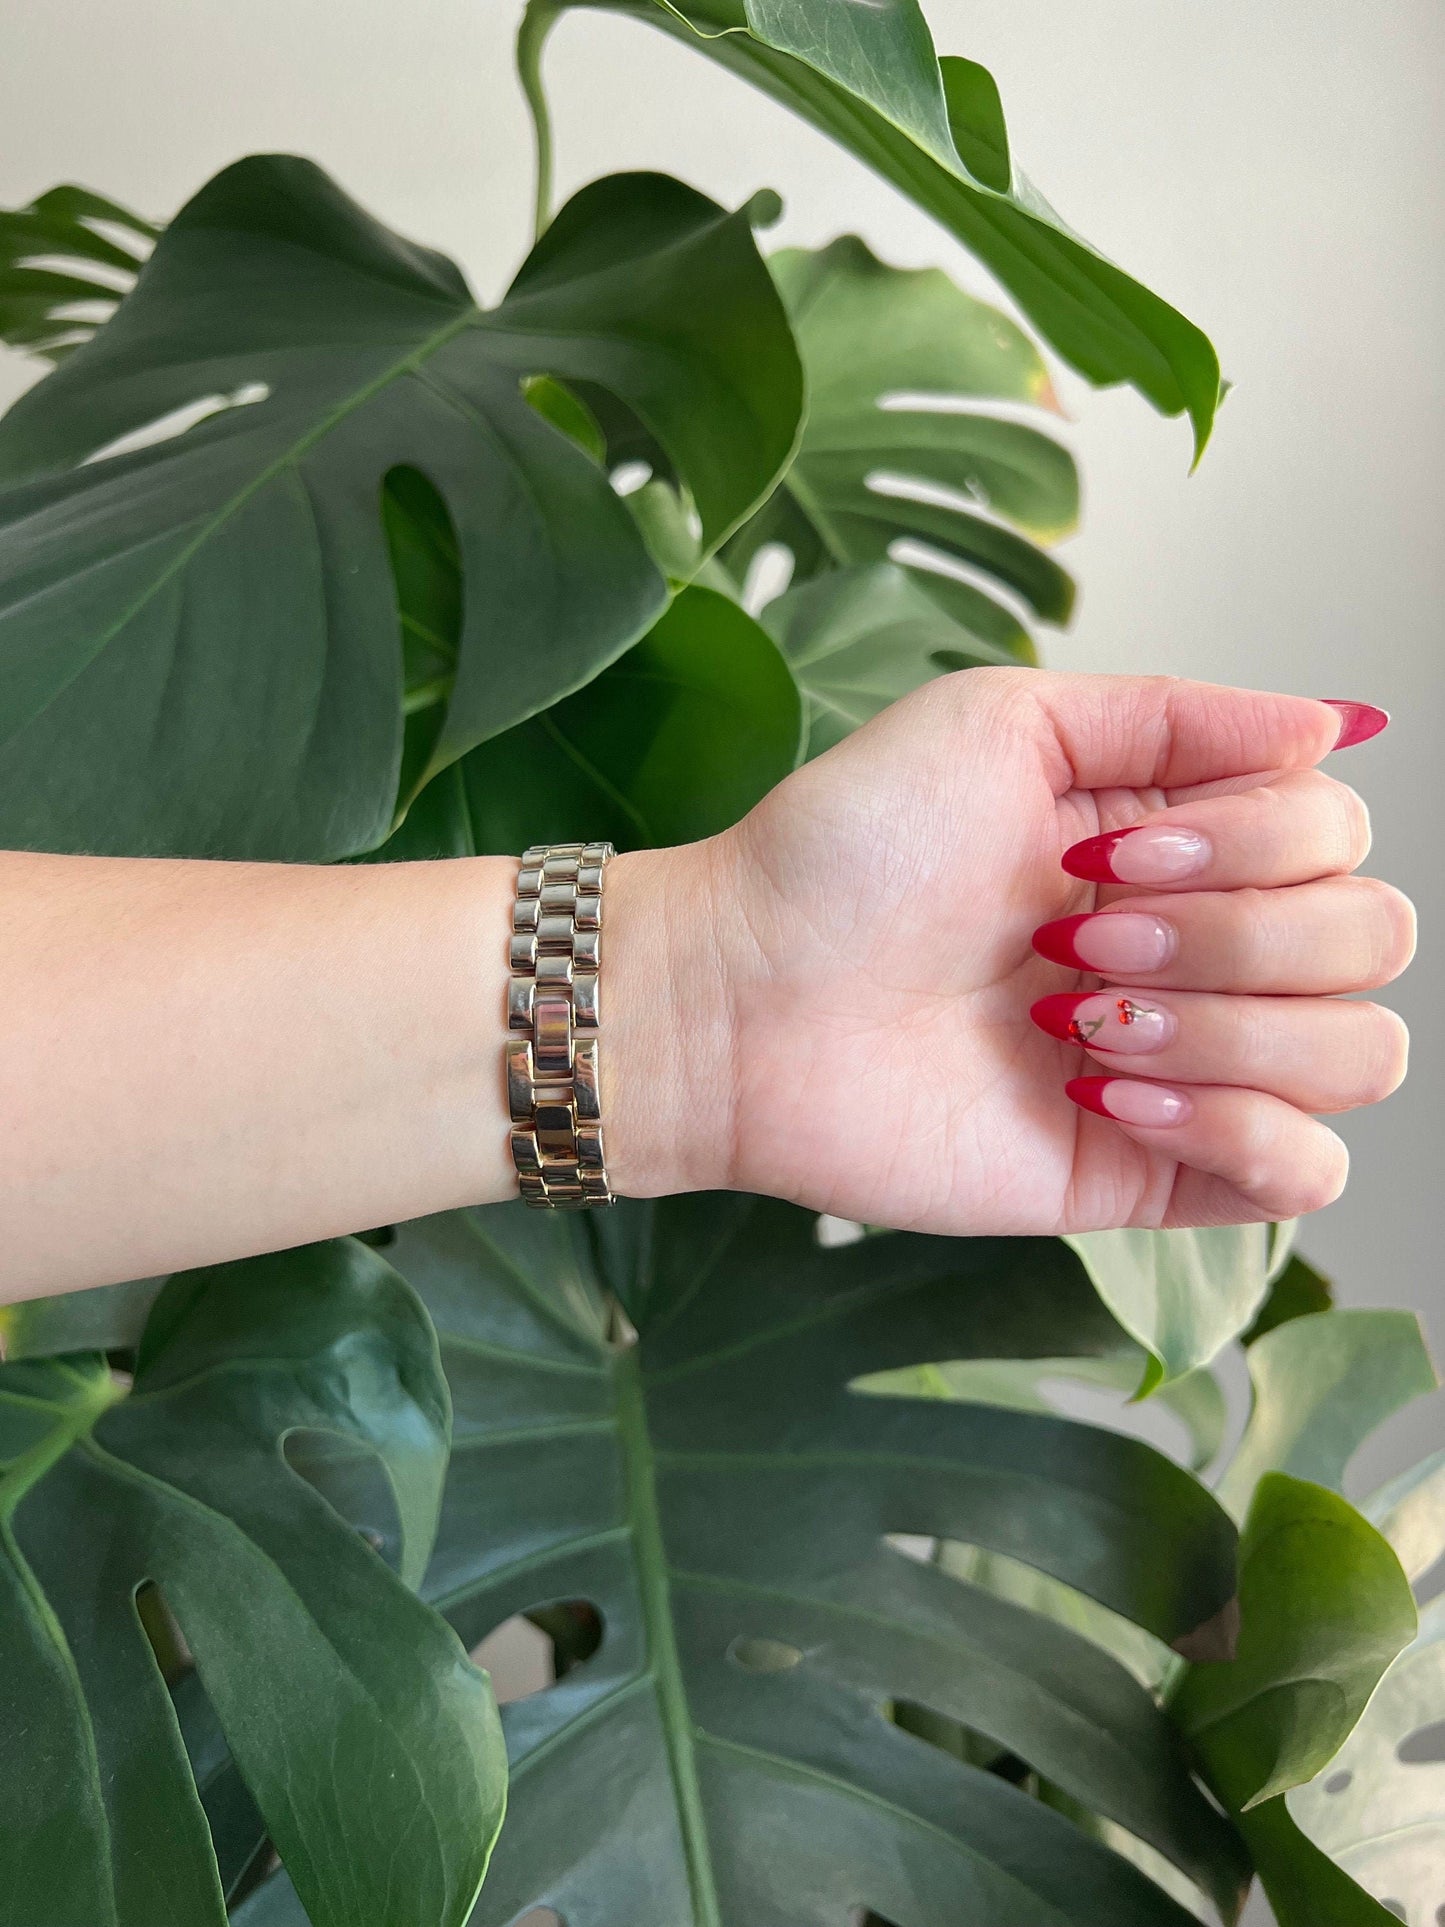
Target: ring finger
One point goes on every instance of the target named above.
(1313, 939)
(1318, 1053)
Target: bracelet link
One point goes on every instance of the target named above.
(554, 953)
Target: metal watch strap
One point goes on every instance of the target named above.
(552, 1018)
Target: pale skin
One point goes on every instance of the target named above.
(829, 1003)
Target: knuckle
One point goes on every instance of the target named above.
(1368, 1055)
(1386, 920)
(1290, 1165)
(1319, 1178)
(1343, 820)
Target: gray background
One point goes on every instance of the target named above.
(1274, 170)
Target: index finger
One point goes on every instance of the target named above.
(1141, 732)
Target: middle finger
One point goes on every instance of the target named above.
(1313, 939)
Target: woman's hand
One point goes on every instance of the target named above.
(877, 982)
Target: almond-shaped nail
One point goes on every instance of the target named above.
(1105, 1020)
(1117, 943)
(1154, 1107)
(1147, 853)
(1359, 722)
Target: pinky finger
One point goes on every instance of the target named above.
(1242, 1155)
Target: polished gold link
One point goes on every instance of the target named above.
(520, 992)
(555, 933)
(520, 1082)
(552, 1036)
(586, 1012)
(554, 973)
(522, 952)
(525, 1155)
(555, 1124)
(585, 1098)
(552, 1079)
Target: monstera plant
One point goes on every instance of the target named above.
(306, 555)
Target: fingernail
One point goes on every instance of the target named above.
(1128, 1101)
(1360, 722)
(1148, 853)
(1118, 943)
(1103, 1020)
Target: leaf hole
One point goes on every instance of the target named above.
(180, 421)
(1337, 1782)
(768, 575)
(1424, 1747)
(968, 500)
(831, 1232)
(533, 1650)
(754, 1655)
(629, 477)
(538, 1917)
(163, 1633)
(909, 552)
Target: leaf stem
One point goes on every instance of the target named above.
(663, 1658)
(537, 22)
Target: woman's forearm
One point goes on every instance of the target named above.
(203, 1060)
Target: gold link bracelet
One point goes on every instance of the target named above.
(552, 1098)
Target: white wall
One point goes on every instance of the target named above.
(1274, 170)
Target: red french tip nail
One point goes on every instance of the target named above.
(1359, 722)
(1088, 1094)
(1093, 859)
(1056, 940)
(1055, 1014)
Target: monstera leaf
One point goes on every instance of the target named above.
(1322, 1384)
(1183, 1294)
(1324, 1610)
(678, 739)
(199, 647)
(892, 452)
(368, 1742)
(65, 261)
(722, 1501)
(1379, 1808)
(1325, 1606)
(866, 73)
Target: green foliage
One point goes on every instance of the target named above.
(1182, 1294)
(1324, 1604)
(1379, 1810)
(724, 1501)
(220, 604)
(891, 452)
(867, 75)
(333, 1687)
(65, 261)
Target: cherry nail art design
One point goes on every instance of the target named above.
(1127, 1100)
(1360, 721)
(1113, 942)
(1145, 853)
(1105, 1021)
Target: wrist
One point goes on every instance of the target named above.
(667, 1057)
